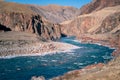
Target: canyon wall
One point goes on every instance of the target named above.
(99, 22)
(14, 18)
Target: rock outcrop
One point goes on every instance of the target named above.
(21, 20)
(96, 5)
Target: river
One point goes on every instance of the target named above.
(52, 65)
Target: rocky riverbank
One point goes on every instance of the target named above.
(100, 71)
(10, 49)
(14, 44)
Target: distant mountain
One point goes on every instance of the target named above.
(55, 13)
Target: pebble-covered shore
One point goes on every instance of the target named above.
(37, 48)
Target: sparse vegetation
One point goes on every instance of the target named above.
(14, 7)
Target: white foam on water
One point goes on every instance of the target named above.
(93, 56)
(70, 53)
(44, 60)
(79, 64)
(29, 61)
(95, 62)
(88, 62)
(106, 57)
(97, 44)
(77, 41)
(54, 60)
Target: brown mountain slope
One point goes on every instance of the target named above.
(55, 13)
(102, 21)
(18, 17)
(96, 5)
(14, 7)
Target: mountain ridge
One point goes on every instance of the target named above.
(96, 5)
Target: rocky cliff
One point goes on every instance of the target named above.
(101, 25)
(96, 5)
(18, 17)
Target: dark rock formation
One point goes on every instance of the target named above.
(4, 28)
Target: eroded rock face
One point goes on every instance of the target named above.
(110, 23)
(32, 23)
(20, 17)
(100, 22)
(96, 5)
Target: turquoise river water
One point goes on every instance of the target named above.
(49, 66)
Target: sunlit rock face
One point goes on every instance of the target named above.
(13, 18)
(103, 21)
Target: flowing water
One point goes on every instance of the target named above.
(52, 65)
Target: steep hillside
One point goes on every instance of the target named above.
(55, 13)
(18, 17)
(96, 5)
(102, 26)
(101, 22)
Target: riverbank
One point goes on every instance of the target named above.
(33, 49)
(13, 44)
(109, 43)
(110, 71)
